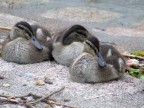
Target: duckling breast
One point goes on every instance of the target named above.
(84, 69)
(22, 51)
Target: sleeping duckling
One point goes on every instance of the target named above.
(68, 44)
(25, 44)
(97, 64)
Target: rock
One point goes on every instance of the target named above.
(48, 80)
(1, 77)
(66, 99)
(24, 85)
(6, 85)
(30, 75)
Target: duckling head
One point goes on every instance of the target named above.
(76, 33)
(92, 45)
(24, 30)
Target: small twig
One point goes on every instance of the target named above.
(6, 96)
(13, 97)
(133, 56)
(5, 28)
(46, 97)
(10, 100)
(58, 104)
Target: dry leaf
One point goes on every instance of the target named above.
(39, 83)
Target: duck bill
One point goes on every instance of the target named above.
(36, 43)
(101, 61)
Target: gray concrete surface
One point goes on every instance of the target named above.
(117, 22)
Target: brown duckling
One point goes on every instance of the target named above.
(97, 63)
(68, 44)
(26, 44)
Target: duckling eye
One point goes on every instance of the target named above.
(33, 39)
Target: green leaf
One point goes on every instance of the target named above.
(135, 72)
(138, 52)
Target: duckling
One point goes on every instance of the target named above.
(68, 44)
(97, 63)
(26, 44)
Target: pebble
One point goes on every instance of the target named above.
(58, 106)
(1, 77)
(6, 85)
(24, 84)
(66, 99)
(26, 75)
(48, 80)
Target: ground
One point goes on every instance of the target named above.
(116, 22)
